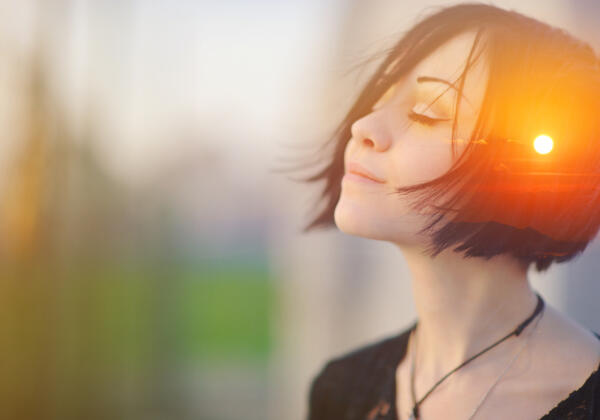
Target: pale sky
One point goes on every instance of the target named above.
(241, 77)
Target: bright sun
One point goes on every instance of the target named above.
(543, 144)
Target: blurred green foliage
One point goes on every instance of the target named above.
(224, 311)
(105, 339)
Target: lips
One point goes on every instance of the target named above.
(356, 168)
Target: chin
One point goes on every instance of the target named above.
(354, 219)
(358, 221)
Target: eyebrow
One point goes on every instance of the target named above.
(424, 79)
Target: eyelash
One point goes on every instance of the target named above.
(424, 119)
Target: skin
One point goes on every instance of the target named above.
(463, 305)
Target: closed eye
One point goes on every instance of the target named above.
(424, 119)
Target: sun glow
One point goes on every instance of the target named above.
(543, 144)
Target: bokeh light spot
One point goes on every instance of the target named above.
(543, 144)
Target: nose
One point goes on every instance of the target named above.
(370, 131)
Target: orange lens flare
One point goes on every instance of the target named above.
(543, 144)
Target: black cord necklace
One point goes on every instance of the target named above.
(515, 332)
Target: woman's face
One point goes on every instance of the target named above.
(400, 151)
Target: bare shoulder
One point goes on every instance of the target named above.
(560, 358)
(565, 349)
(566, 335)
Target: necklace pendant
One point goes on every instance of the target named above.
(412, 416)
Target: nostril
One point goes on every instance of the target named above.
(369, 142)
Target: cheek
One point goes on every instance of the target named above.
(420, 159)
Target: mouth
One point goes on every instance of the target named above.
(356, 169)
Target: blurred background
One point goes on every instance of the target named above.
(152, 260)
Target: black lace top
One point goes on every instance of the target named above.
(362, 385)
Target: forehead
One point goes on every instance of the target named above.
(448, 62)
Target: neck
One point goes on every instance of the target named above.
(464, 305)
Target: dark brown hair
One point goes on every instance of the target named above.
(508, 199)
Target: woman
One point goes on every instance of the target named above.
(473, 149)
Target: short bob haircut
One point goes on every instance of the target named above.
(508, 198)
